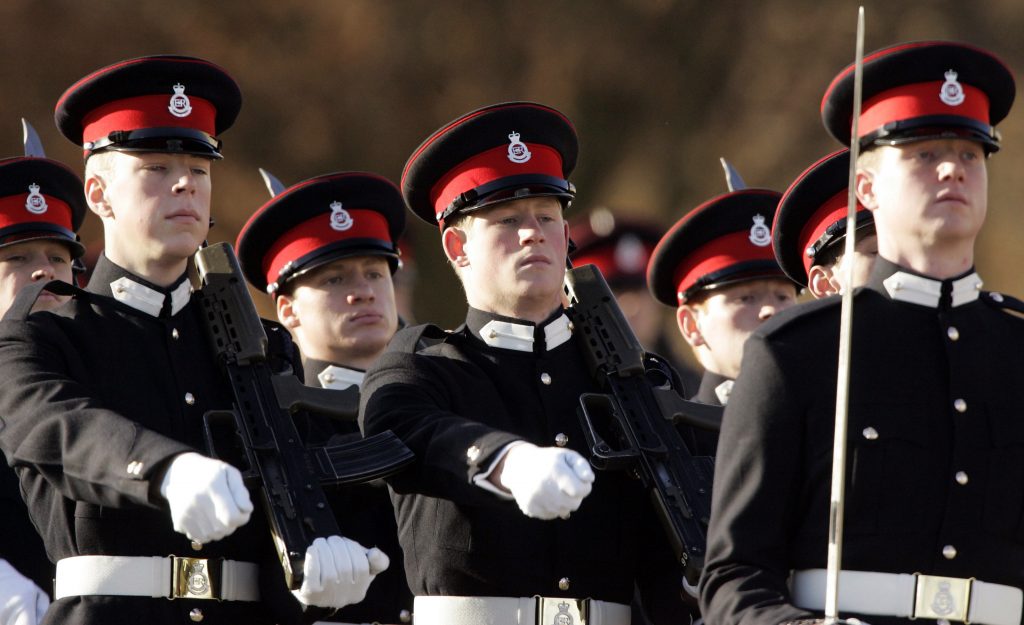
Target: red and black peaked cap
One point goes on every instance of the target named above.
(922, 90)
(620, 248)
(318, 221)
(723, 241)
(40, 199)
(811, 219)
(174, 104)
(498, 153)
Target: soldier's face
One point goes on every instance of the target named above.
(926, 195)
(159, 205)
(343, 312)
(513, 257)
(727, 316)
(22, 264)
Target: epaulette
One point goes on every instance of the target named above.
(26, 298)
(415, 338)
(1007, 303)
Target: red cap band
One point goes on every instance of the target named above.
(832, 211)
(719, 254)
(492, 165)
(318, 232)
(920, 100)
(148, 111)
(13, 212)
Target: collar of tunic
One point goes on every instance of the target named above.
(905, 285)
(111, 280)
(518, 335)
(334, 377)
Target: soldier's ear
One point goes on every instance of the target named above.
(287, 312)
(96, 195)
(821, 282)
(688, 319)
(454, 242)
(865, 187)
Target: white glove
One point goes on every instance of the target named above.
(338, 572)
(207, 497)
(21, 601)
(546, 482)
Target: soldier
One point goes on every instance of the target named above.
(41, 209)
(501, 519)
(809, 232)
(934, 491)
(717, 267)
(103, 401)
(326, 250)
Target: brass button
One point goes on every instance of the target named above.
(493, 334)
(952, 333)
(328, 378)
(174, 334)
(870, 433)
(563, 584)
(960, 405)
(561, 439)
(473, 453)
(190, 398)
(405, 616)
(545, 379)
(997, 297)
(571, 326)
(196, 615)
(197, 546)
(961, 478)
(949, 552)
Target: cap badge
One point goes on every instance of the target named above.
(951, 93)
(517, 150)
(35, 202)
(180, 105)
(760, 235)
(630, 254)
(340, 219)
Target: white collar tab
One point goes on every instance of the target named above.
(907, 287)
(519, 337)
(340, 378)
(149, 300)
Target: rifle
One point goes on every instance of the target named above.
(268, 449)
(640, 409)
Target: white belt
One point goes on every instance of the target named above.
(912, 596)
(517, 611)
(170, 577)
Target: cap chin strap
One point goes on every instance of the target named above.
(933, 127)
(169, 139)
(476, 197)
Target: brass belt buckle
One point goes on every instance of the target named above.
(561, 611)
(946, 598)
(195, 578)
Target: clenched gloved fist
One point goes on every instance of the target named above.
(207, 497)
(21, 601)
(546, 482)
(338, 572)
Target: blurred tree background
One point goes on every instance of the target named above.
(658, 89)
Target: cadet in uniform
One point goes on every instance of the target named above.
(717, 268)
(501, 518)
(41, 209)
(326, 249)
(935, 469)
(809, 232)
(103, 400)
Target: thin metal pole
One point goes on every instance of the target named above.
(836, 505)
